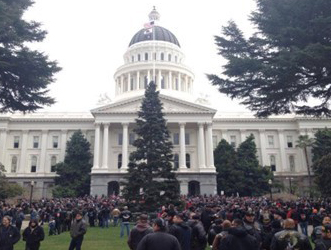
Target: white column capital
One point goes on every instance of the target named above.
(97, 124)
(209, 124)
(182, 124)
(201, 124)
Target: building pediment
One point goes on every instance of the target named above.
(170, 106)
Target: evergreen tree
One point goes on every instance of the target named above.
(322, 144)
(322, 170)
(24, 73)
(226, 165)
(73, 178)
(151, 179)
(8, 190)
(254, 180)
(284, 64)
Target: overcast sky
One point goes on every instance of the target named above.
(89, 39)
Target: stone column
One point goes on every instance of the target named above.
(96, 146)
(42, 165)
(170, 80)
(105, 145)
(122, 84)
(201, 146)
(186, 83)
(138, 80)
(148, 77)
(179, 82)
(182, 158)
(3, 138)
(159, 80)
(283, 164)
(125, 144)
(264, 160)
(64, 133)
(23, 160)
(117, 87)
(129, 82)
(210, 151)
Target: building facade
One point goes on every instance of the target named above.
(31, 144)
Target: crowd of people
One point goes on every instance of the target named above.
(216, 222)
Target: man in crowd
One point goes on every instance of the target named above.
(198, 235)
(181, 231)
(9, 235)
(317, 232)
(325, 242)
(159, 240)
(289, 238)
(141, 229)
(33, 235)
(125, 216)
(77, 232)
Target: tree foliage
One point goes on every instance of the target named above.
(24, 73)
(151, 180)
(73, 178)
(284, 64)
(322, 144)
(8, 190)
(240, 171)
(322, 170)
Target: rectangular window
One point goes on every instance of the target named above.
(292, 163)
(289, 139)
(55, 142)
(120, 139)
(271, 141)
(273, 163)
(131, 138)
(36, 142)
(187, 139)
(233, 140)
(214, 141)
(176, 139)
(33, 164)
(16, 142)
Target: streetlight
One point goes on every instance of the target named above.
(31, 192)
(270, 184)
(290, 181)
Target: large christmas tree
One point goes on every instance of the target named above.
(151, 180)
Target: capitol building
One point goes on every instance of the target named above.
(31, 144)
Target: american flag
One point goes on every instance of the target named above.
(149, 25)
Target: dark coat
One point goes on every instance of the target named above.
(8, 237)
(198, 235)
(159, 241)
(33, 237)
(78, 229)
(183, 234)
(286, 238)
(137, 233)
(238, 239)
(323, 244)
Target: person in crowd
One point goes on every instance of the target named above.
(238, 238)
(51, 227)
(252, 226)
(317, 231)
(9, 235)
(215, 229)
(198, 234)
(20, 218)
(276, 227)
(115, 214)
(159, 240)
(141, 229)
(226, 225)
(125, 216)
(289, 238)
(303, 221)
(77, 232)
(181, 231)
(325, 242)
(33, 235)
(207, 217)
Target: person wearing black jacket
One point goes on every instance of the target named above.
(9, 235)
(198, 235)
(159, 240)
(325, 242)
(141, 229)
(238, 238)
(181, 231)
(33, 235)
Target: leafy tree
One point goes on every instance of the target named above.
(322, 144)
(151, 179)
(322, 170)
(284, 64)
(254, 180)
(73, 178)
(225, 160)
(24, 73)
(8, 190)
(304, 142)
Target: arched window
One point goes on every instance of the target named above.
(188, 160)
(169, 57)
(162, 56)
(139, 58)
(176, 58)
(33, 163)
(273, 163)
(154, 57)
(146, 56)
(176, 161)
(13, 168)
(53, 163)
(132, 58)
(119, 161)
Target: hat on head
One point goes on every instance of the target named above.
(160, 223)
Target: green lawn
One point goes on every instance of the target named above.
(95, 239)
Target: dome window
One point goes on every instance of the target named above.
(169, 57)
(139, 58)
(176, 58)
(162, 56)
(132, 58)
(155, 56)
(146, 56)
